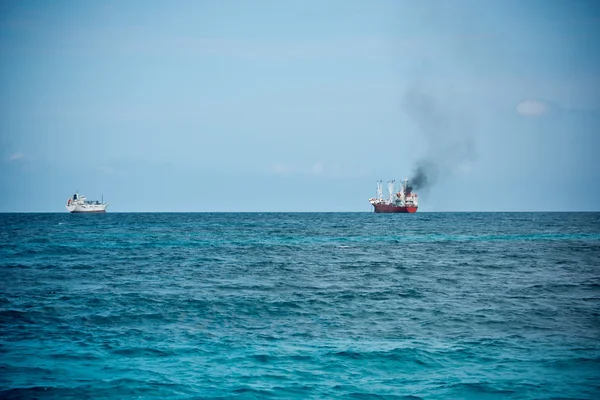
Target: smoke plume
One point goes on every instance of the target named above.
(421, 176)
(448, 137)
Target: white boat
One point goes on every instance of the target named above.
(79, 204)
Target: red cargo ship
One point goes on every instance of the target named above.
(403, 201)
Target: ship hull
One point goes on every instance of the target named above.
(87, 209)
(389, 208)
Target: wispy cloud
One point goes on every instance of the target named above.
(107, 170)
(537, 108)
(532, 108)
(140, 40)
(279, 168)
(16, 156)
(263, 49)
(464, 168)
(317, 168)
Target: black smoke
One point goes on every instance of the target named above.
(447, 134)
(421, 176)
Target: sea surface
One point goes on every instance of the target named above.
(300, 305)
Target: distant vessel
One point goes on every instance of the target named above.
(403, 201)
(79, 204)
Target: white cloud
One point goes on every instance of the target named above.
(280, 168)
(463, 168)
(107, 170)
(317, 168)
(16, 156)
(532, 108)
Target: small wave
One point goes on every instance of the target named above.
(294, 390)
(54, 250)
(252, 391)
(383, 397)
(576, 362)
(398, 355)
(74, 356)
(263, 358)
(478, 387)
(16, 266)
(14, 316)
(13, 370)
(29, 393)
(142, 352)
(40, 240)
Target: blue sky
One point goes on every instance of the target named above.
(299, 105)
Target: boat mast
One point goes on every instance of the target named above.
(391, 189)
(380, 190)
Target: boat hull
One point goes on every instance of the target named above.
(87, 209)
(389, 208)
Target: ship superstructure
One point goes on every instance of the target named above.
(79, 204)
(402, 201)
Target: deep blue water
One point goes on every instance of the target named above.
(315, 305)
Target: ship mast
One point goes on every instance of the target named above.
(391, 189)
(380, 190)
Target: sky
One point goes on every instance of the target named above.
(235, 106)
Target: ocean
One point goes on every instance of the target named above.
(300, 305)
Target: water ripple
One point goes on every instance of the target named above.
(268, 305)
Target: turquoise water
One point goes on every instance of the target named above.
(294, 305)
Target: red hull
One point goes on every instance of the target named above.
(388, 208)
